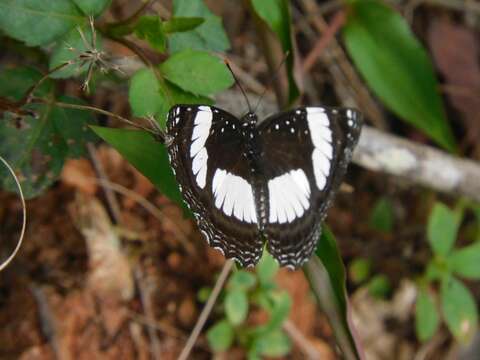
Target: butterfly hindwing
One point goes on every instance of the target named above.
(305, 154)
(208, 157)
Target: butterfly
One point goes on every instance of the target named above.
(251, 183)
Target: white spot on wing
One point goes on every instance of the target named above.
(289, 196)
(234, 196)
(321, 136)
(198, 152)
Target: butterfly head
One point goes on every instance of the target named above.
(249, 119)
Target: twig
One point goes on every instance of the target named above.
(227, 267)
(393, 155)
(146, 299)
(302, 342)
(155, 133)
(344, 75)
(323, 42)
(115, 208)
(5, 263)
(151, 208)
(47, 320)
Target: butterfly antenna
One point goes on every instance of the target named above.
(239, 85)
(275, 74)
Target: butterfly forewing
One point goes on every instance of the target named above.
(207, 154)
(305, 154)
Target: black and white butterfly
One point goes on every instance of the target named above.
(250, 183)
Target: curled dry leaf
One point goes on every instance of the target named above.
(110, 272)
(79, 174)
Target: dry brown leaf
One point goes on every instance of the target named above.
(456, 54)
(110, 272)
(79, 173)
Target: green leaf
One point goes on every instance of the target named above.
(73, 126)
(220, 336)
(38, 22)
(62, 54)
(379, 286)
(276, 14)
(236, 306)
(147, 155)
(148, 96)
(144, 94)
(203, 294)
(92, 7)
(326, 274)
(427, 318)
(466, 261)
(459, 309)
(187, 69)
(181, 24)
(266, 268)
(208, 36)
(242, 280)
(396, 67)
(442, 229)
(382, 216)
(281, 303)
(359, 270)
(150, 29)
(273, 344)
(35, 149)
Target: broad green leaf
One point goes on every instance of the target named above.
(220, 336)
(382, 216)
(242, 280)
(62, 54)
(359, 270)
(208, 36)
(466, 261)
(73, 126)
(33, 149)
(236, 306)
(38, 22)
(181, 24)
(427, 318)
(326, 274)
(276, 14)
(197, 72)
(273, 344)
(144, 94)
(92, 7)
(396, 67)
(147, 155)
(266, 268)
(148, 96)
(459, 309)
(442, 229)
(150, 28)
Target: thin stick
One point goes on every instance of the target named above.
(207, 309)
(157, 134)
(327, 36)
(5, 263)
(144, 299)
(151, 208)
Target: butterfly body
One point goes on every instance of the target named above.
(248, 183)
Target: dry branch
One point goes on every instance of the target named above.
(393, 155)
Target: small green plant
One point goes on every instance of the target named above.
(453, 302)
(244, 291)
